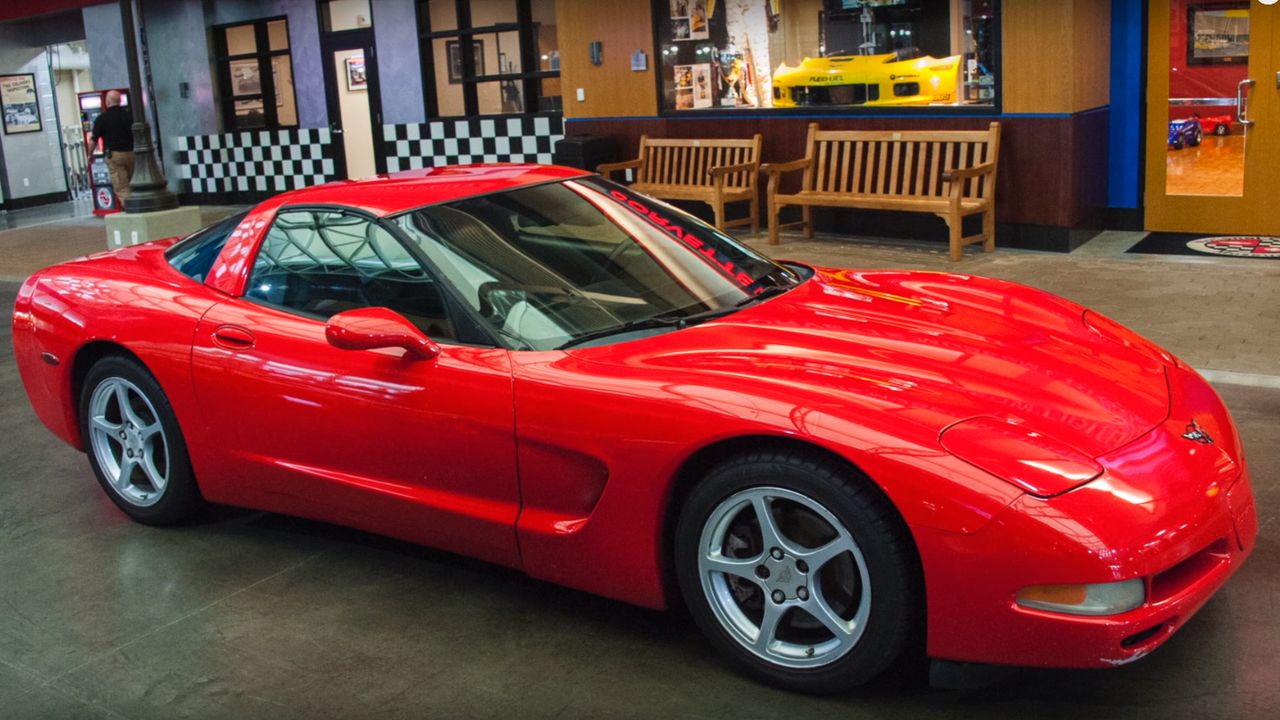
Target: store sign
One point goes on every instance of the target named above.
(1254, 246)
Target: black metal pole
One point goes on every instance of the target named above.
(148, 190)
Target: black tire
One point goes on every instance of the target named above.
(179, 499)
(1221, 130)
(1197, 136)
(894, 616)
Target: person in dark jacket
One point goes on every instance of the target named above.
(115, 127)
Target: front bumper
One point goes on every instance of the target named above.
(1175, 512)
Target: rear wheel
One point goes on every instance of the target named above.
(135, 447)
(797, 572)
(1222, 129)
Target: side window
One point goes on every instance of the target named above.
(195, 254)
(319, 263)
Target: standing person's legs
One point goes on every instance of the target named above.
(121, 166)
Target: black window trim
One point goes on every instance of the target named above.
(222, 60)
(530, 80)
(455, 305)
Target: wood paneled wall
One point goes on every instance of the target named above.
(1056, 55)
(612, 88)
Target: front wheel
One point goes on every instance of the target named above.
(797, 571)
(135, 447)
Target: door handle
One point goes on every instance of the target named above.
(232, 337)
(1242, 102)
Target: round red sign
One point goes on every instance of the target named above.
(1253, 246)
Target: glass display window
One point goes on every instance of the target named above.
(841, 54)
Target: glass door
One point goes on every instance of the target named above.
(1213, 116)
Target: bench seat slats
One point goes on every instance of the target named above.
(681, 169)
(896, 170)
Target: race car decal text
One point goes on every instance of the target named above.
(726, 266)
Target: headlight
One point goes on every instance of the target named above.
(1033, 461)
(1095, 599)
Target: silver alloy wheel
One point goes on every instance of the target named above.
(128, 441)
(789, 576)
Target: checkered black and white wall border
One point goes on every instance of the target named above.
(471, 140)
(255, 162)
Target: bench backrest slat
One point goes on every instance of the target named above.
(906, 163)
(673, 161)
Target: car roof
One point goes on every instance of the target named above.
(391, 193)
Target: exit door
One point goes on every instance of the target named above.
(1213, 117)
(354, 102)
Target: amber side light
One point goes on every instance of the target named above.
(1055, 594)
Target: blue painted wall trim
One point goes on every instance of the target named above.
(1127, 92)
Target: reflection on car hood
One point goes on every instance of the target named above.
(932, 347)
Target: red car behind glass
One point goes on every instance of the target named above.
(536, 367)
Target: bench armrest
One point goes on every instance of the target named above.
(969, 172)
(783, 167)
(723, 170)
(608, 168)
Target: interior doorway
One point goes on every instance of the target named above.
(1213, 116)
(355, 108)
(70, 74)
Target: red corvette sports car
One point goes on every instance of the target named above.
(537, 367)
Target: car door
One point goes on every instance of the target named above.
(419, 449)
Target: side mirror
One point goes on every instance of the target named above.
(378, 327)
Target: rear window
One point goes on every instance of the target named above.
(193, 256)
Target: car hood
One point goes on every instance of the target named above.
(930, 348)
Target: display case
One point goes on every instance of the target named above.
(843, 55)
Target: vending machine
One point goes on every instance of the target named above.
(92, 104)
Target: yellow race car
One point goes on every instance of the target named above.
(866, 80)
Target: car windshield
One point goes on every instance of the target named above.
(587, 261)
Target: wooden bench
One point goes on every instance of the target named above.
(951, 174)
(711, 171)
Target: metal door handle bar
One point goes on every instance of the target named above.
(1242, 104)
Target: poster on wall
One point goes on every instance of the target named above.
(684, 87)
(699, 28)
(1218, 34)
(20, 105)
(702, 85)
(356, 79)
(244, 77)
(689, 19)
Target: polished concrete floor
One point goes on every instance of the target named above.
(248, 615)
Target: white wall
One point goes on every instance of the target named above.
(32, 161)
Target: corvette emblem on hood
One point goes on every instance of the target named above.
(1195, 434)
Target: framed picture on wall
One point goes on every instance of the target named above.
(245, 78)
(453, 52)
(356, 79)
(19, 103)
(1218, 33)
